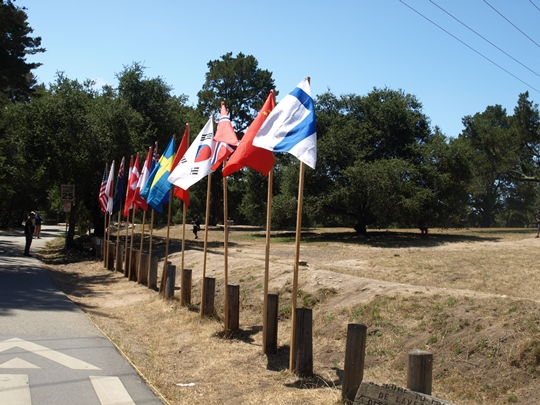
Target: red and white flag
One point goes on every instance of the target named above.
(182, 149)
(109, 192)
(225, 140)
(143, 178)
(133, 178)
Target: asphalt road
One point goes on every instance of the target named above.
(50, 352)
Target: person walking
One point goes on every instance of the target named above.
(38, 221)
(196, 226)
(29, 229)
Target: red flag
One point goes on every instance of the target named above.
(102, 194)
(143, 178)
(182, 148)
(248, 155)
(132, 184)
(225, 140)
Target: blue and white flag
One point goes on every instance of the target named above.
(290, 127)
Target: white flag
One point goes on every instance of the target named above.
(290, 127)
(109, 189)
(197, 161)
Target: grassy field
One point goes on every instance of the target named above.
(471, 297)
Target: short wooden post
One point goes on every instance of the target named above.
(420, 371)
(133, 265)
(304, 342)
(152, 272)
(98, 243)
(120, 258)
(127, 261)
(163, 281)
(271, 331)
(355, 354)
(142, 277)
(110, 259)
(185, 289)
(233, 316)
(170, 281)
(209, 294)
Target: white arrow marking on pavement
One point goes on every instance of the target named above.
(18, 363)
(111, 391)
(61, 358)
(14, 389)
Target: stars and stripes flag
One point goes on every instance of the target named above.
(109, 189)
(102, 194)
(290, 127)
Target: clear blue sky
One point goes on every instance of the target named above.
(347, 46)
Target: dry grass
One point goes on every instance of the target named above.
(470, 296)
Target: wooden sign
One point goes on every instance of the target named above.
(389, 394)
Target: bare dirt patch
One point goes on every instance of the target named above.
(471, 297)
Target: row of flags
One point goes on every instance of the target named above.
(287, 127)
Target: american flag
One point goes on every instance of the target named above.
(102, 194)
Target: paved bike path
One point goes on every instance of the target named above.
(50, 352)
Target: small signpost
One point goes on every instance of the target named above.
(67, 194)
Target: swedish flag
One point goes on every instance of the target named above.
(160, 187)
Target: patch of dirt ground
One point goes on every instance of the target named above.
(471, 297)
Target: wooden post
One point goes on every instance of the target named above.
(133, 265)
(143, 269)
(169, 283)
(271, 331)
(110, 256)
(420, 371)
(120, 258)
(185, 290)
(152, 273)
(209, 284)
(355, 354)
(99, 248)
(304, 342)
(233, 308)
(127, 261)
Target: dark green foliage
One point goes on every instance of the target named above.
(17, 82)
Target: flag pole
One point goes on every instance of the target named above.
(104, 226)
(133, 207)
(110, 218)
(292, 357)
(267, 255)
(226, 249)
(142, 243)
(205, 241)
(118, 227)
(184, 217)
(164, 274)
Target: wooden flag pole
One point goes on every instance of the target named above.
(292, 356)
(205, 241)
(131, 240)
(226, 250)
(184, 216)
(118, 234)
(133, 208)
(151, 235)
(164, 274)
(267, 255)
(103, 247)
(142, 242)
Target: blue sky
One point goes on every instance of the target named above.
(346, 46)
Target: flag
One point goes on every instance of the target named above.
(109, 189)
(225, 139)
(146, 187)
(195, 164)
(290, 127)
(132, 185)
(160, 188)
(143, 178)
(182, 148)
(119, 189)
(248, 155)
(102, 195)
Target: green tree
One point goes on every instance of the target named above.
(239, 83)
(16, 79)
(379, 163)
